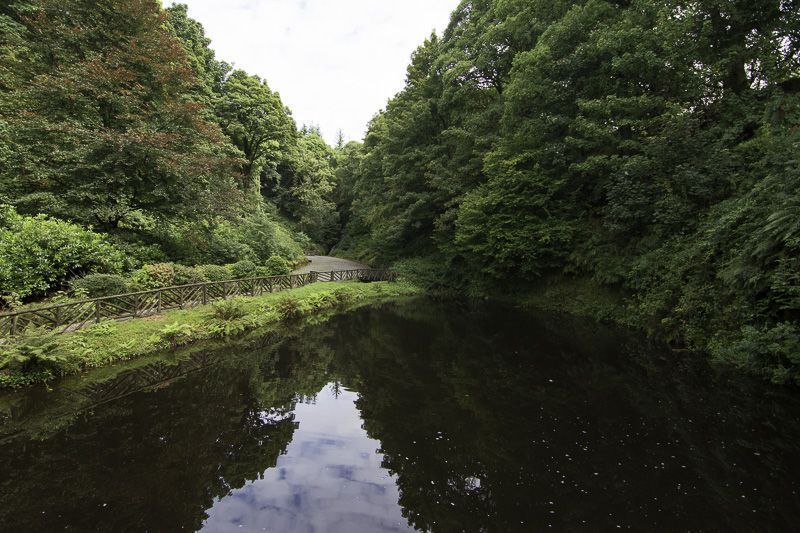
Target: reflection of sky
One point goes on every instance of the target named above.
(330, 480)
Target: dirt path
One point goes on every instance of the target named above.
(324, 263)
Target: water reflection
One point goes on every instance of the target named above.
(435, 417)
(329, 479)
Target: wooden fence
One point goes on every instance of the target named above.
(70, 316)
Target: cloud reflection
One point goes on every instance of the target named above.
(329, 480)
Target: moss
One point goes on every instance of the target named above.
(112, 342)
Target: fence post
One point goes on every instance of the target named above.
(13, 325)
(158, 303)
(58, 316)
(97, 312)
(205, 294)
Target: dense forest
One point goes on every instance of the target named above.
(125, 144)
(646, 149)
(634, 158)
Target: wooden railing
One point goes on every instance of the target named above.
(70, 316)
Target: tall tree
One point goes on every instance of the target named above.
(256, 121)
(210, 71)
(100, 120)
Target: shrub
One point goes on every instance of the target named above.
(98, 285)
(322, 301)
(35, 359)
(188, 275)
(242, 269)
(38, 254)
(137, 254)
(277, 266)
(176, 335)
(343, 297)
(229, 309)
(214, 272)
(288, 308)
(156, 276)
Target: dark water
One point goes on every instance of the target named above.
(421, 416)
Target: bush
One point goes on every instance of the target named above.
(188, 275)
(229, 309)
(99, 285)
(321, 301)
(288, 308)
(156, 276)
(343, 297)
(254, 237)
(214, 272)
(35, 359)
(242, 269)
(137, 254)
(176, 335)
(39, 254)
(276, 266)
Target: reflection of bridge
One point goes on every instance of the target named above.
(69, 400)
(154, 375)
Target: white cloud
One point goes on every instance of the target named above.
(334, 62)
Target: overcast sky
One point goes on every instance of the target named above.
(334, 62)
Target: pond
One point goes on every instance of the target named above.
(408, 416)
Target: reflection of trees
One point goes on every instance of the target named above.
(157, 460)
(495, 421)
(491, 419)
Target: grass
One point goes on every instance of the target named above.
(41, 358)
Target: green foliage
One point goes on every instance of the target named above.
(342, 297)
(321, 301)
(242, 269)
(183, 275)
(253, 237)
(214, 272)
(227, 310)
(156, 276)
(39, 254)
(110, 342)
(256, 121)
(429, 273)
(289, 308)
(33, 359)
(646, 148)
(176, 335)
(98, 285)
(275, 266)
(771, 351)
(133, 126)
(111, 133)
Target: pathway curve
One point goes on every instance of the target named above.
(325, 263)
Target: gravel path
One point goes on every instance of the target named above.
(324, 263)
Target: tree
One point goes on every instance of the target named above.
(339, 140)
(209, 71)
(99, 120)
(256, 121)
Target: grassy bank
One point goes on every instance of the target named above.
(39, 359)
